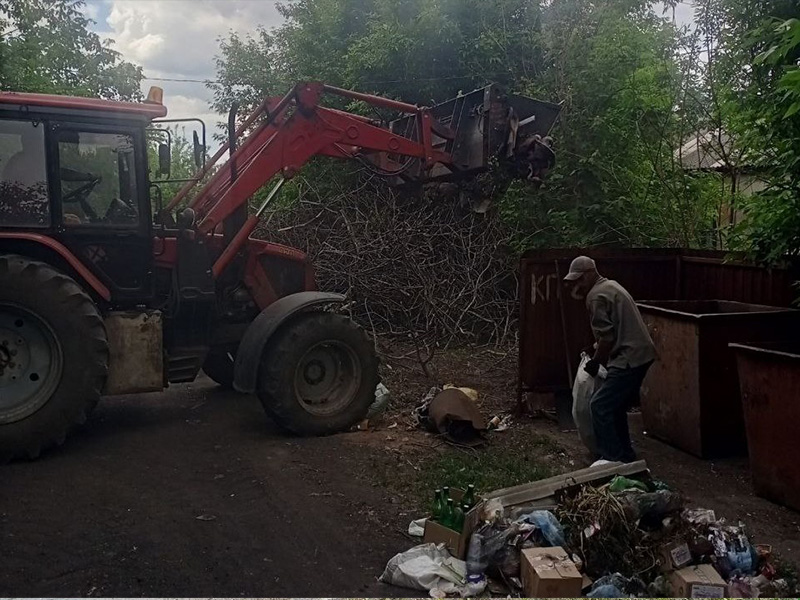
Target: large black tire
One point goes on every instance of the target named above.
(53, 354)
(219, 366)
(318, 374)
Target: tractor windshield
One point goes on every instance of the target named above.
(98, 181)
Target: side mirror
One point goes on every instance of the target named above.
(164, 160)
(199, 150)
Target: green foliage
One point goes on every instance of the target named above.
(769, 122)
(46, 46)
(634, 89)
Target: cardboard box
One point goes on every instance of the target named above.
(549, 573)
(700, 581)
(674, 556)
(457, 542)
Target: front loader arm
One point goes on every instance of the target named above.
(294, 129)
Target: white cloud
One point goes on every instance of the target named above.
(181, 36)
(178, 39)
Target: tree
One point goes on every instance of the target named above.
(46, 46)
(770, 124)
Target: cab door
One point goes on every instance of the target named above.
(102, 205)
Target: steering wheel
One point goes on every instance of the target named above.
(120, 210)
(79, 195)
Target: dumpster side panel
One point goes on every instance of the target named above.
(722, 418)
(770, 388)
(670, 401)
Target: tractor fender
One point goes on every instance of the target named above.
(248, 356)
(68, 257)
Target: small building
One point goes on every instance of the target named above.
(714, 152)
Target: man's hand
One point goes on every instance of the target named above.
(592, 367)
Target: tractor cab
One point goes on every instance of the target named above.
(75, 170)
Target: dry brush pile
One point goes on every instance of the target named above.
(413, 266)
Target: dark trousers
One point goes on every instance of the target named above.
(610, 406)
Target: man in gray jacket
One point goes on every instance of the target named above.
(623, 346)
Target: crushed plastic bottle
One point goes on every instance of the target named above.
(477, 561)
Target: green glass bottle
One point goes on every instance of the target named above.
(469, 496)
(437, 509)
(458, 518)
(449, 514)
(445, 493)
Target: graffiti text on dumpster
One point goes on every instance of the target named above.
(544, 287)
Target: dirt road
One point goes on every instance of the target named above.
(115, 511)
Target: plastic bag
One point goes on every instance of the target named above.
(426, 567)
(487, 548)
(582, 391)
(547, 523)
(381, 403)
(650, 508)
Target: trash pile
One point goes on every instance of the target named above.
(609, 531)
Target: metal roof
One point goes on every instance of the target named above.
(149, 110)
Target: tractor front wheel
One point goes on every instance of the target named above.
(318, 374)
(53, 356)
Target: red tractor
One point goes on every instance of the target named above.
(103, 290)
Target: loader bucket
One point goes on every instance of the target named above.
(485, 125)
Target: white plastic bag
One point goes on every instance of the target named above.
(582, 391)
(426, 567)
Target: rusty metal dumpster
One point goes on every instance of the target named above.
(769, 379)
(691, 396)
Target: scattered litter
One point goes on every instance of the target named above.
(206, 517)
(429, 567)
(417, 528)
(546, 522)
(699, 516)
(611, 532)
(606, 591)
(620, 484)
(498, 423)
(457, 417)
(381, 403)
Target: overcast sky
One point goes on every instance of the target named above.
(177, 39)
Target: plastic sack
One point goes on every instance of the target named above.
(582, 391)
(426, 567)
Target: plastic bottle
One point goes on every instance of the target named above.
(476, 561)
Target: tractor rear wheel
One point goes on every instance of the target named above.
(53, 356)
(318, 374)
(219, 366)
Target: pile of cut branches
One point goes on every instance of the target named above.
(410, 265)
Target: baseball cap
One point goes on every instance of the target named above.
(579, 266)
